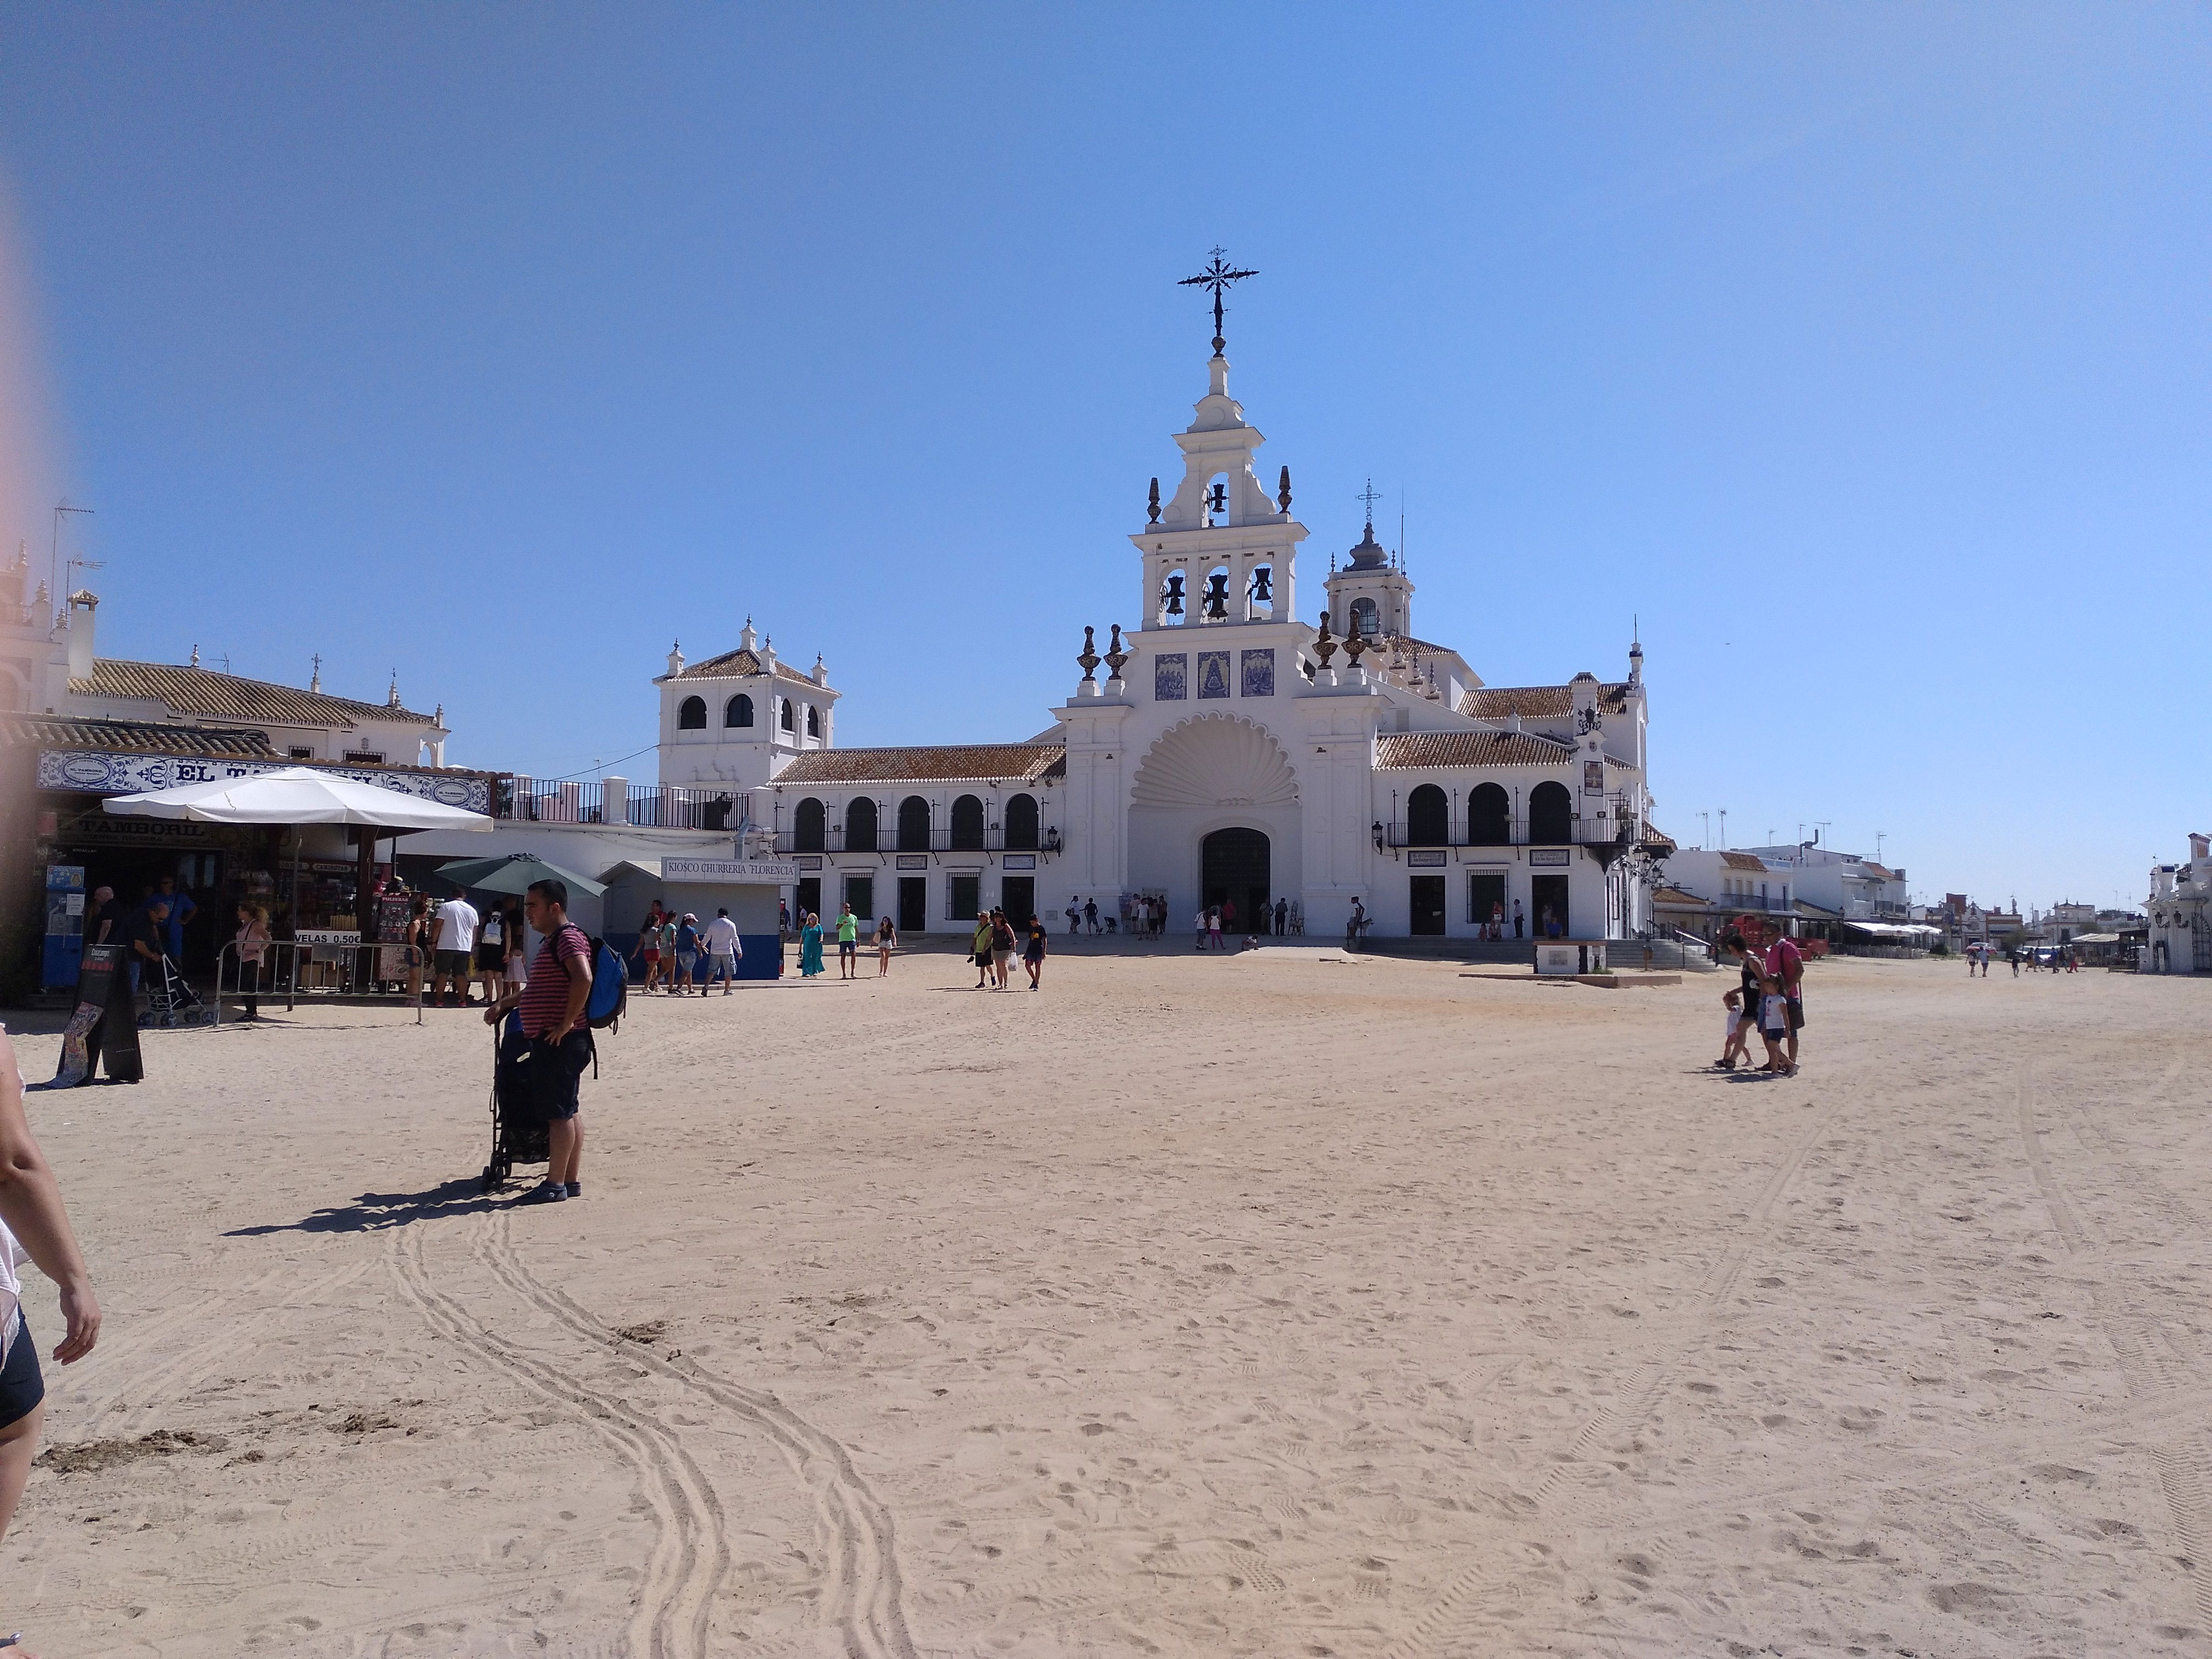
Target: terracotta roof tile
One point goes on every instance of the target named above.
(1743, 861)
(146, 737)
(1398, 750)
(1537, 701)
(736, 664)
(204, 692)
(1030, 762)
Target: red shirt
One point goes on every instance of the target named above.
(546, 997)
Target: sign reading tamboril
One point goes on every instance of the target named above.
(739, 872)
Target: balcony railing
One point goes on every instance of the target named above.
(1580, 832)
(646, 805)
(834, 839)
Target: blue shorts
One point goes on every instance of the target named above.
(21, 1386)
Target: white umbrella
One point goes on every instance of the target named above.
(295, 794)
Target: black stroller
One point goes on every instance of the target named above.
(518, 1129)
(170, 999)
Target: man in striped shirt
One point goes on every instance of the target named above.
(552, 1003)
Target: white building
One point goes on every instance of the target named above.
(1855, 887)
(2181, 913)
(49, 665)
(1232, 754)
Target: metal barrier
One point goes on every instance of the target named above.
(355, 967)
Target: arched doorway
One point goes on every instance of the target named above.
(1022, 823)
(1551, 815)
(1234, 866)
(807, 825)
(913, 825)
(860, 825)
(1428, 817)
(968, 825)
(1489, 819)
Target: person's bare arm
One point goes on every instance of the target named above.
(580, 993)
(31, 1205)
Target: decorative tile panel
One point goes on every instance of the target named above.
(1213, 673)
(104, 772)
(1259, 673)
(1170, 676)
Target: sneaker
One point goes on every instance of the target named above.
(550, 1193)
(575, 1189)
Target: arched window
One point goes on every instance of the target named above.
(1021, 824)
(860, 825)
(1551, 815)
(913, 825)
(1428, 817)
(739, 711)
(807, 826)
(786, 722)
(691, 714)
(1365, 619)
(1489, 817)
(968, 825)
(813, 721)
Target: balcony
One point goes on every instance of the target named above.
(1580, 832)
(833, 839)
(648, 806)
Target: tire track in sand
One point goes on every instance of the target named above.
(2140, 1341)
(690, 1554)
(866, 1597)
(1562, 1487)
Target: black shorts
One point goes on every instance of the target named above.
(21, 1386)
(450, 964)
(555, 1074)
(491, 958)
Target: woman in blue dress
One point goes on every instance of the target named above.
(809, 947)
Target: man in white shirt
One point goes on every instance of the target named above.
(457, 939)
(723, 949)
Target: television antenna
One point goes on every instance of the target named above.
(56, 569)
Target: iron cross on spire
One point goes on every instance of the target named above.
(1217, 276)
(1370, 496)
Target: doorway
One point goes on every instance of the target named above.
(860, 894)
(913, 904)
(1485, 891)
(1427, 894)
(1234, 867)
(1018, 895)
(810, 902)
(1549, 892)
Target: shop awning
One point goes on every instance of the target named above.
(293, 795)
(1894, 929)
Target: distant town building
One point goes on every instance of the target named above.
(2180, 908)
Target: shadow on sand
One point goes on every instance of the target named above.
(375, 1212)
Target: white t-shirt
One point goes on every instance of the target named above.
(457, 924)
(722, 938)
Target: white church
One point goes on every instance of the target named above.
(1229, 753)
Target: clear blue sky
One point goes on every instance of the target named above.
(1862, 351)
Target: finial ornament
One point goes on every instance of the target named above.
(1283, 493)
(1217, 276)
(1354, 645)
(1089, 661)
(1115, 655)
(196, 655)
(1324, 647)
(1154, 507)
(1370, 496)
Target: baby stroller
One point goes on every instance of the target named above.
(170, 999)
(517, 1130)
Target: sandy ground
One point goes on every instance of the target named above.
(1271, 1306)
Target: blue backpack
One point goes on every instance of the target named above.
(610, 997)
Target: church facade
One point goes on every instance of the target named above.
(1231, 754)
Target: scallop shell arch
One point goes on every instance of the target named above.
(1214, 760)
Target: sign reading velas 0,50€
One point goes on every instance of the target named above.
(736, 872)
